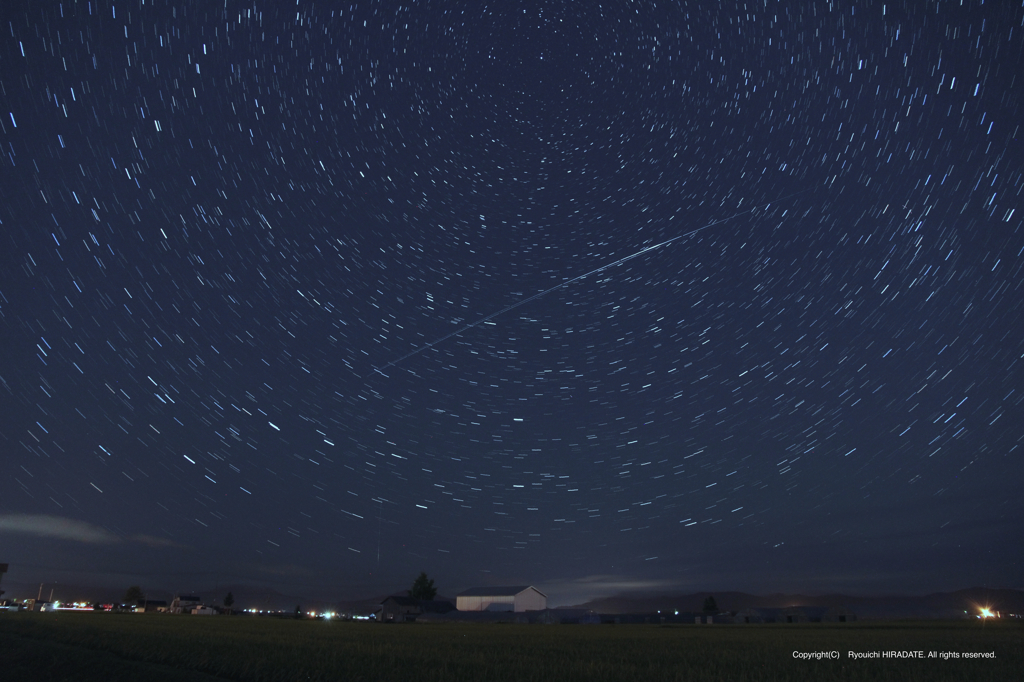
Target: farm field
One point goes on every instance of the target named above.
(77, 646)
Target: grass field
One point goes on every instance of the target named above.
(111, 647)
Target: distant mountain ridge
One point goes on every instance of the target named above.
(935, 605)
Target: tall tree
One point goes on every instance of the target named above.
(133, 595)
(229, 601)
(423, 588)
(710, 607)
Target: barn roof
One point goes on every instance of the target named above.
(508, 591)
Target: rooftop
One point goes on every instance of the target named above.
(497, 591)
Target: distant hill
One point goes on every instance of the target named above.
(936, 605)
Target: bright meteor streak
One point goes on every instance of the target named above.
(380, 370)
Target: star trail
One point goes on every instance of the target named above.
(321, 295)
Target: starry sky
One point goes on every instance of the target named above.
(600, 297)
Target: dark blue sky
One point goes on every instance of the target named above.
(218, 220)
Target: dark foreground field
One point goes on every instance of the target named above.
(110, 647)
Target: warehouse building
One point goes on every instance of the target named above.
(518, 598)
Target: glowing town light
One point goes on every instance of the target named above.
(986, 613)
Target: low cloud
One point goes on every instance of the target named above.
(63, 528)
(58, 527)
(622, 583)
(615, 583)
(579, 590)
(153, 541)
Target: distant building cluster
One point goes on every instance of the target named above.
(516, 599)
(795, 614)
(503, 604)
(191, 604)
(527, 604)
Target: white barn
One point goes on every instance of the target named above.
(518, 598)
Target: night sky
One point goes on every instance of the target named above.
(655, 296)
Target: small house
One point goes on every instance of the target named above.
(398, 610)
(802, 614)
(793, 614)
(184, 603)
(152, 606)
(839, 614)
(758, 615)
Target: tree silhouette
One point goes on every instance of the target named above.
(229, 601)
(423, 588)
(133, 595)
(710, 607)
